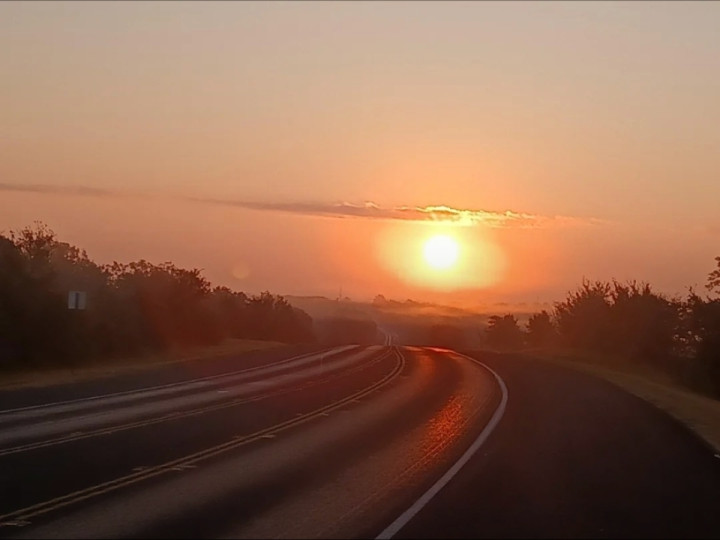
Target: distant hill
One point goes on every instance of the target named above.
(409, 320)
(321, 307)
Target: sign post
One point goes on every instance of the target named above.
(77, 300)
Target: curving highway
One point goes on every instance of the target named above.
(362, 442)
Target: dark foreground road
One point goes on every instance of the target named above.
(576, 457)
(331, 444)
(351, 442)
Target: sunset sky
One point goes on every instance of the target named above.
(307, 146)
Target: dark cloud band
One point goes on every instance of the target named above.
(367, 210)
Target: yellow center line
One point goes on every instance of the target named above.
(24, 514)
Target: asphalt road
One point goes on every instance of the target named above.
(577, 457)
(332, 443)
(351, 442)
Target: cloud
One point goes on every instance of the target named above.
(366, 210)
(61, 190)
(440, 213)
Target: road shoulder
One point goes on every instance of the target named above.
(699, 413)
(40, 378)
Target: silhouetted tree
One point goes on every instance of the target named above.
(131, 307)
(713, 282)
(504, 332)
(541, 331)
(46, 331)
(23, 307)
(583, 318)
(166, 302)
(703, 322)
(644, 324)
(230, 310)
(36, 243)
(629, 319)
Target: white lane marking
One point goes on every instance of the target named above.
(17, 523)
(79, 425)
(183, 467)
(392, 529)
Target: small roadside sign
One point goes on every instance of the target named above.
(77, 300)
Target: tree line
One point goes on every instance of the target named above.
(132, 308)
(138, 307)
(630, 322)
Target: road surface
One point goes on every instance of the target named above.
(353, 441)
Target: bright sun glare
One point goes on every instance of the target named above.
(441, 251)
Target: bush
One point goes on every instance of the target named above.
(133, 307)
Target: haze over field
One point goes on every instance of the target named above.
(308, 147)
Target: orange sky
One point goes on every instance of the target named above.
(228, 135)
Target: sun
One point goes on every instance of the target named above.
(441, 251)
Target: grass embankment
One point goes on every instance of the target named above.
(109, 368)
(697, 411)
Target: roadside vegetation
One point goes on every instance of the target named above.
(145, 310)
(136, 309)
(664, 350)
(627, 326)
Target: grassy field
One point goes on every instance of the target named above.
(699, 412)
(48, 377)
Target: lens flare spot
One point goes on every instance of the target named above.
(240, 270)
